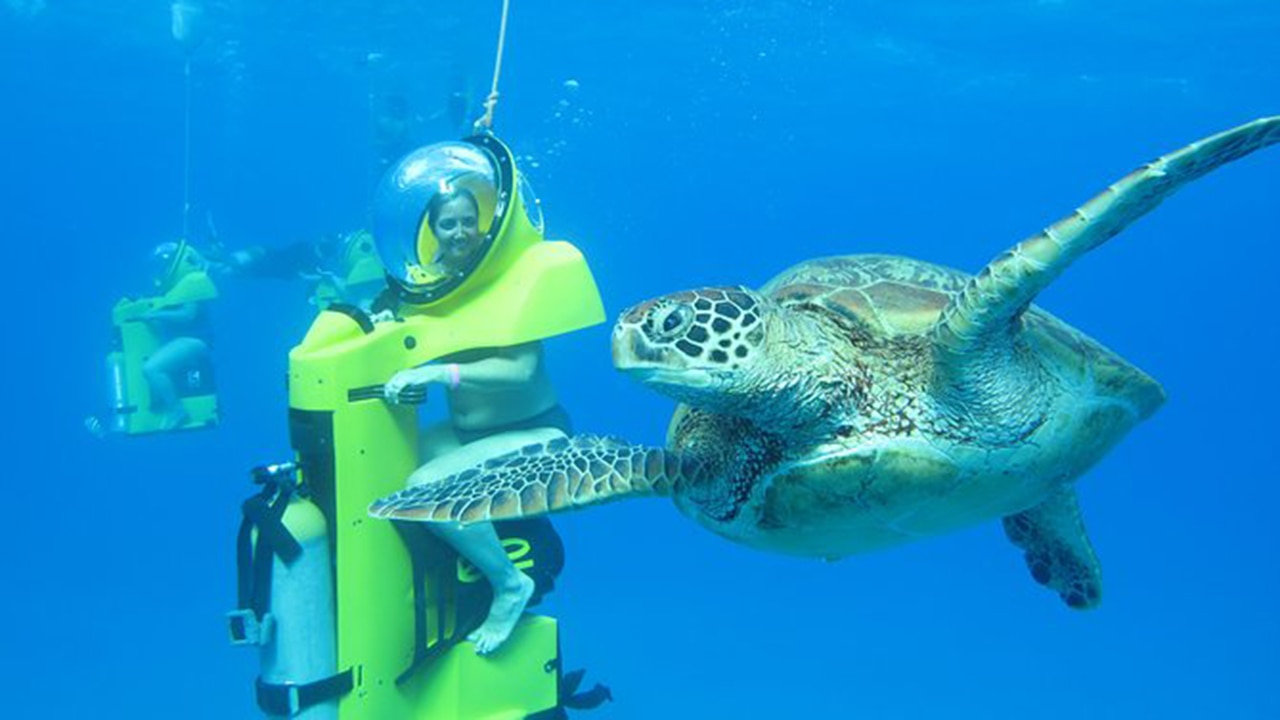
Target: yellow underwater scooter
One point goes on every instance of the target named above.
(357, 618)
(183, 282)
(359, 273)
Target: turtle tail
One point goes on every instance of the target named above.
(542, 478)
(983, 315)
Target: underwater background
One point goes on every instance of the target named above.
(677, 144)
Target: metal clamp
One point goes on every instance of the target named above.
(247, 629)
(283, 474)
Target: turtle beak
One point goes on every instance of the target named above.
(655, 366)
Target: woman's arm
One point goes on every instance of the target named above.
(506, 367)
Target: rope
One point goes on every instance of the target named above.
(485, 123)
(186, 152)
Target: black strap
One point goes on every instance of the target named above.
(289, 699)
(359, 316)
(264, 511)
(571, 698)
(267, 515)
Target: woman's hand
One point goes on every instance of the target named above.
(413, 377)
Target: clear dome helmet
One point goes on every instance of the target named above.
(452, 215)
(171, 261)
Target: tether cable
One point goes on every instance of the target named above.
(485, 123)
(186, 150)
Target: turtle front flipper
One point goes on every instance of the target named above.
(981, 318)
(1057, 550)
(542, 478)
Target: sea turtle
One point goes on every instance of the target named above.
(859, 402)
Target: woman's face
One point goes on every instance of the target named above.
(457, 227)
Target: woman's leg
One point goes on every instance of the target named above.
(479, 542)
(161, 371)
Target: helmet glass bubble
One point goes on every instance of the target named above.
(532, 206)
(164, 262)
(433, 217)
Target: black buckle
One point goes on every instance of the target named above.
(289, 699)
(279, 700)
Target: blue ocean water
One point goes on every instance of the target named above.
(698, 143)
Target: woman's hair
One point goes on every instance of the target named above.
(441, 199)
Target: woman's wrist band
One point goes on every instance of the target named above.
(455, 375)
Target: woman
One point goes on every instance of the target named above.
(500, 399)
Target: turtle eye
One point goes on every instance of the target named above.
(673, 320)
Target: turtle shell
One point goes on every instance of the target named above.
(887, 295)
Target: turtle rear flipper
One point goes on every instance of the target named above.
(1057, 549)
(982, 317)
(547, 477)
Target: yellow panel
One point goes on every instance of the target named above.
(519, 680)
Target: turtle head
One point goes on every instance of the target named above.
(702, 347)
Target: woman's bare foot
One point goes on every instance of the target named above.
(504, 613)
